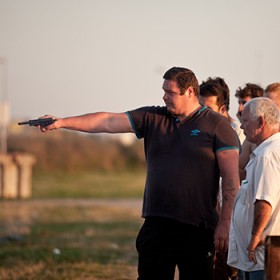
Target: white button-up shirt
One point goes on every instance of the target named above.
(262, 183)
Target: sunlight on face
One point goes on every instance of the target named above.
(172, 96)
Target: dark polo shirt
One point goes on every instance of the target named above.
(182, 171)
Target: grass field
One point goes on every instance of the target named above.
(89, 184)
(75, 226)
(59, 239)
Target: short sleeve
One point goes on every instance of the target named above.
(225, 137)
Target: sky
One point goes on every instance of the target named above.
(70, 57)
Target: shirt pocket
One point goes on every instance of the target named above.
(244, 192)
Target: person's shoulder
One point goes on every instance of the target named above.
(211, 115)
(270, 146)
(207, 111)
(151, 109)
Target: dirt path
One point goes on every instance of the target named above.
(126, 203)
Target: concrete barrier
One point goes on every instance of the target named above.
(16, 175)
(9, 177)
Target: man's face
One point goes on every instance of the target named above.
(172, 97)
(242, 102)
(250, 127)
(211, 102)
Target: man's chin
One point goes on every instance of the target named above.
(171, 110)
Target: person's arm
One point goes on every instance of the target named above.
(244, 158)
(228, 164)
(262, 213)
(93, 123)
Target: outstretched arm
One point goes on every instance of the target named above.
(228, 164)
(93, 123)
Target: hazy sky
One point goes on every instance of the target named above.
(68, 57)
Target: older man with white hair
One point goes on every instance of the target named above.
(256, 212)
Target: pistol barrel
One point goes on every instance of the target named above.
(42, 122)
(23, 123)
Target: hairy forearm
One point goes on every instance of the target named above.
(95, 123)
(262, 213)
(229, 191)
(228, 163)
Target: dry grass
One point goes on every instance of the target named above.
(95, 239)
(89, 185)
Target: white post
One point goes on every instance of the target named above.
(4, 106)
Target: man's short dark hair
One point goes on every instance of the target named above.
(216, 87)
(184, 77)
(250, 90)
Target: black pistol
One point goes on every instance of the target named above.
(42, 122)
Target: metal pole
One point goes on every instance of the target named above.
(4, 106)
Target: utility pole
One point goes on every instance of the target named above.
(4, 105)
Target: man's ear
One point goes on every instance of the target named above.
(261, 121)
(222, 109)
(190, 91)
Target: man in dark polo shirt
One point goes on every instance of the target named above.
(187, 148)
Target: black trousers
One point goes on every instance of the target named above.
(163, 244)
(222, 271)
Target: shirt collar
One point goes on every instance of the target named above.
(266, 142)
